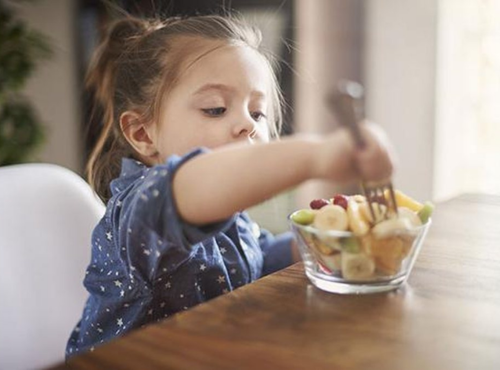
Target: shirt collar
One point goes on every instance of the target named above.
(131, 166)
(131, 170)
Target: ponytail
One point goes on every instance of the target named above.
(104, 161)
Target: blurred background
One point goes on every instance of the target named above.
(431, 71)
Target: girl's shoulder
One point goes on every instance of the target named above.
(135, 173)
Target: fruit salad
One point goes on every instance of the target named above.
(347, 241)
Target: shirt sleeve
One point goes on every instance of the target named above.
(151, 226)
(276, 250)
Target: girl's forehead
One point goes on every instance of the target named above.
(233, 65)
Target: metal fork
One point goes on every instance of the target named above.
(346, 102)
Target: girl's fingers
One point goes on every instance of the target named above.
(373, 166)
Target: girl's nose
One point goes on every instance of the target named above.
(244, 127)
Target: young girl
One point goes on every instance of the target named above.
(182, 101)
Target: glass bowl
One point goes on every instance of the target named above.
(340, 262)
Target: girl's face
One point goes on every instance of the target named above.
(220, 98)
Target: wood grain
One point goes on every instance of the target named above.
(446, 317)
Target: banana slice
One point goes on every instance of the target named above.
(357, 266)
(358, 198)
(379, 210)
(404, 212)
(365, 212)
(357, 222)
(331, 217)
(391, 226)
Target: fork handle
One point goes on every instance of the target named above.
(344, 101)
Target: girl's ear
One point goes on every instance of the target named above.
(137, 135)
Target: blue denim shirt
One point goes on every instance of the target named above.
(148, 264)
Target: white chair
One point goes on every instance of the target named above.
(47, 214)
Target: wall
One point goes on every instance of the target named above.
(399, 68)
(389, 45)
(54, 88)
(329, 48)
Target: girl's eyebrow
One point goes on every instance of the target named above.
(225, 89)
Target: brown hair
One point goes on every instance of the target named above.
(136, 63)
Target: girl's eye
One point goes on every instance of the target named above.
(257, 116)
(214, 112)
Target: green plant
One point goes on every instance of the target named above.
(20, 49)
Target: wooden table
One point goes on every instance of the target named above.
(446, 317)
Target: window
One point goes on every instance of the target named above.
(467, 150)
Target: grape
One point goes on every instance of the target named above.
(340, 200)
(318, 203)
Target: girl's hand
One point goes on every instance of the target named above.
(340, 160)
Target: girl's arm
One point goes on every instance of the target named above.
(213, 186)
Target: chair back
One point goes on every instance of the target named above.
(47, 214)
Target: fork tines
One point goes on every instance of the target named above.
(381, 207)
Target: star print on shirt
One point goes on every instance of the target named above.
(221, 279)
(171, 276)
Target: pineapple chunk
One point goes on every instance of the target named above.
(403, 200)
